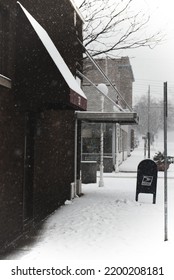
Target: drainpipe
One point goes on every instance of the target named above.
(75, 158)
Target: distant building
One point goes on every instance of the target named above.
(38, 97)
(117, 139)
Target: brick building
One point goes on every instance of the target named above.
(117, 139)
(39, 55)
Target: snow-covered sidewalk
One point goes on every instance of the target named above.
(107, 223)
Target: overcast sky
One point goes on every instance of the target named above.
(154, 66)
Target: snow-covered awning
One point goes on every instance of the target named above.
(77, 95)
(122, 118)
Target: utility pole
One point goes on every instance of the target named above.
(148, 123)
(165, 161)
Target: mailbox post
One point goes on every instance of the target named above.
(146, 178)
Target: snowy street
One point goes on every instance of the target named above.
(107, 223)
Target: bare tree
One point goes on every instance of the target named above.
(113, 25)
(156, 115)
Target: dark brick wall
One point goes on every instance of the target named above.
(8, 9)
(53, 122)
(54, 160)
(11, 167)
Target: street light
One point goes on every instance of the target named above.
(104, 89)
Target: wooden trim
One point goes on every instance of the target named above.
(5, 82)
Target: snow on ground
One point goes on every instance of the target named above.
(107, 223)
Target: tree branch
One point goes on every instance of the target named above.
(112, 25)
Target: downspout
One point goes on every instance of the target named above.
(75, 158)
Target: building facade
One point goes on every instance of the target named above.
(39, 56)
(117, 139)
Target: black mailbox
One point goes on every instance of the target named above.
(147, 178)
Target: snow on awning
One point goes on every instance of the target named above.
(5, 82)
(122, 118)
(77, 95)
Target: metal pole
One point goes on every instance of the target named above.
(75, 156)
(145, 147)
(117, 151)
(105, 76)
(165, 171)
(101, 182)
(148, 129)
(145, 144)
(113, 143)
(103, 94)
